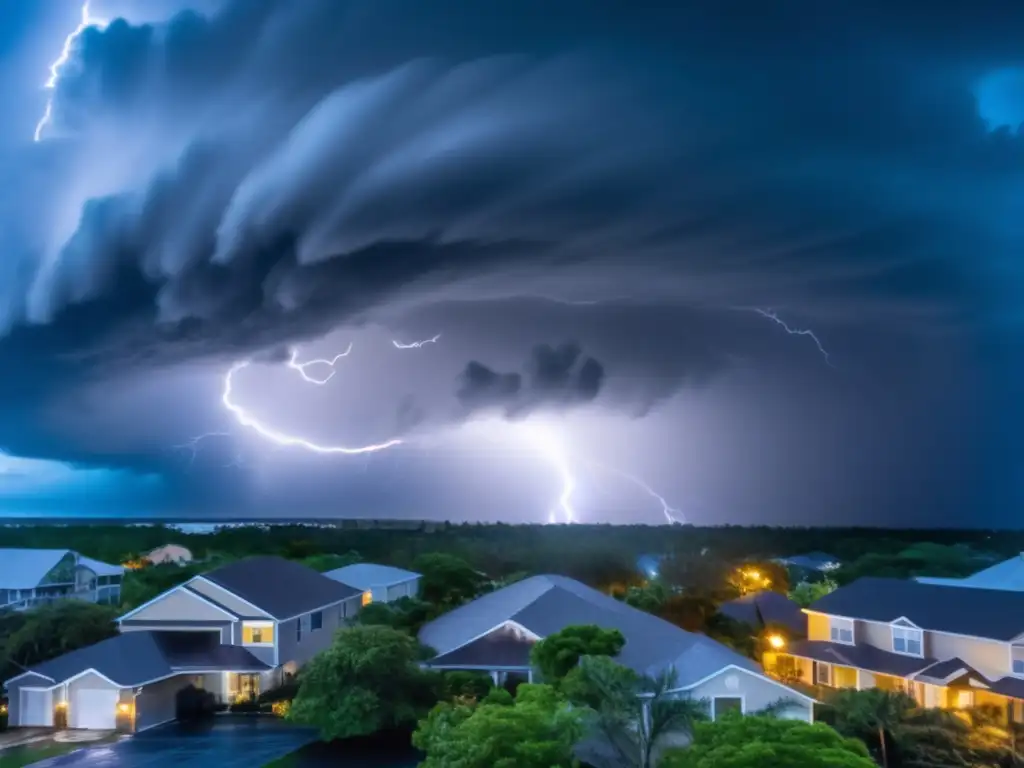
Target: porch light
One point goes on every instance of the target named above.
(124, 708)
(778, 642)
(62, 705)
(3, 709)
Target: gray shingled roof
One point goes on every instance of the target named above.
(280, 587)
(136, 658)
(497, 649)
(762, 608)
(866, 657)
(547, 604)
(989, 613)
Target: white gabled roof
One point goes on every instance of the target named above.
(26, 568)
(366, 576)
(1007, 575)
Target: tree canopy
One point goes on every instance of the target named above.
(558, 653)
(31, 637)
(538, 729)
(367, 681)
(447, 580)
(767, 742)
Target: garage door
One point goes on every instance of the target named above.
(94, 708)
(35, 708)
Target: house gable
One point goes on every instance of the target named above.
(178, 605)
(221, 596)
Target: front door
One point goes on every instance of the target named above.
(246, 687)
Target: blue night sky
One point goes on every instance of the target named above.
(513, 260)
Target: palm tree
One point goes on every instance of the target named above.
(859, 713)
(631, 715)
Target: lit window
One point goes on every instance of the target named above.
(822, 673)
(841, 631)
(367, 597)
(259, 634)
(907, 641)
(316, 621)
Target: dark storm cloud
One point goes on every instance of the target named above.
(556, 377)
(335, 162)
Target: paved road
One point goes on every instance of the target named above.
(230, 742)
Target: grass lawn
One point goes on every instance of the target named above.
(16, 757)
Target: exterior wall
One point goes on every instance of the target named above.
(178, 605)
(158, 702)
(224, 627)
(222, 597)
(300, 651)
(409, 588)
(757, 692)
(990, 658)
(14, 695)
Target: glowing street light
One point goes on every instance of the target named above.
(778, 642)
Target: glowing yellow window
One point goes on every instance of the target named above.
(367, 597)
(257, 634)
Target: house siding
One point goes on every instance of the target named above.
(224, 627)
(178, 605)
(990, 658)
(300, 651)
(818, 627)
(225, 598)
(14, 694)
(757, 692)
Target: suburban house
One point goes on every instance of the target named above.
(820, 562)
(234, 631)
(759, 610)
(31, 577)
(1007, 575)
(168, 553)
(378, 583)
(944, 645)
(496, 632)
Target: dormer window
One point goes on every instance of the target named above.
(907, 640)
(841, 630)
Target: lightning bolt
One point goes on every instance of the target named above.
(295, 365)
(672, 515)
(416, 344)
(770, 314)
(246, 419)
(548, 444)
(88, 20)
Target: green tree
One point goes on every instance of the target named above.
(367, 681)
(31, 637)
(324, 563)
(558, 653)
(871, 714)
(407, 614)
(467, 685)
(767, 742)
(648, 597)
(536, 730)
(806, 592)
(447, 580)
(630, 718)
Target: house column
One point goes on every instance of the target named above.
(494, 678)
(529, 675)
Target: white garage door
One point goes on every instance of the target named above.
(35, 708)
(94, 708)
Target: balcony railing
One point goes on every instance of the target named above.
(105, 594)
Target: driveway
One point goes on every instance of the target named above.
(227, 742)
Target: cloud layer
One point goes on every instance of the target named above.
(637, 178)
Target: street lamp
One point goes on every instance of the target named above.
(778, 642)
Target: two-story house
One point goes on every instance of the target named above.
(947, 646)
(32, 577)
(234, 631)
